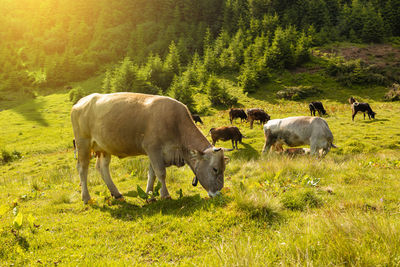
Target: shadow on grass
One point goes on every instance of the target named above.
(30, 111)
(182, 207)
(374, 120)
(248, 153)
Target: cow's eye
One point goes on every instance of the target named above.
(215, 170)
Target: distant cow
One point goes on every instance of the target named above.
(352, 100)
(362, 107)
(257, 114)
(317, 106)
(237, 113)
(196, 118)
(298, 131)
(226, 133)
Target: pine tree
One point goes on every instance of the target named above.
(373, 26)
(172, 61)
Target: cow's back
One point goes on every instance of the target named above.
(299, 129)
(124, 124)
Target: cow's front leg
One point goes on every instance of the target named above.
(353, 115)
(158, 166)
(314, 150)
(151, 177)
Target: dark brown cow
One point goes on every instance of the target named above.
(362, 107)
(226, 133)
(257, 114)
(237, 113)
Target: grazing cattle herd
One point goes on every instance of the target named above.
(163, 129)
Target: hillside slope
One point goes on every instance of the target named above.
(342, 209)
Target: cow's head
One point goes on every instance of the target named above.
(209, 167)
(372, 114)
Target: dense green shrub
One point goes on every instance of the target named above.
(157, 74)
(393, 94)
(183, 92)
(218, 95)
(248, 79)
(75, 94)
(126, 78)
(354, 72)
(297, 93)
(8, 157)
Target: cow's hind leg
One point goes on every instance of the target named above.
(103, 163)
(83, 147)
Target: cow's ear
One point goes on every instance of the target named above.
(196, 154)
(226, 159)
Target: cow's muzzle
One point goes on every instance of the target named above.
(212, 194)
(195, 181)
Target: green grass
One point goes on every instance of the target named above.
(339, 210)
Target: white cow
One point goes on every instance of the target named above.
(297, 131)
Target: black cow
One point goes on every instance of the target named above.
(196, 118)
(257, 114)
(317, 106)
(362, 107)
(237, 113)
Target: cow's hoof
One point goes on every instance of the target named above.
(120, 199)
(151, 200)
(166, 197)
(118, 196)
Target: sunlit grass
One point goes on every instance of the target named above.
(339, 210)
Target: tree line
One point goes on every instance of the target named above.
(176, 46)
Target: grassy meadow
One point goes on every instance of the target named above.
(343, 209)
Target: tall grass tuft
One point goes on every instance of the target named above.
(258, 205)
(295, 200)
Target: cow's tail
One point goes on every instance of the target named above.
(73, 142)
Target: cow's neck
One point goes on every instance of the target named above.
(193, 140)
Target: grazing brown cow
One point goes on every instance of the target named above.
(226, 133)
(257, 114)
(196, 118)
(362, 107)
(237, 113)
(130, 124)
